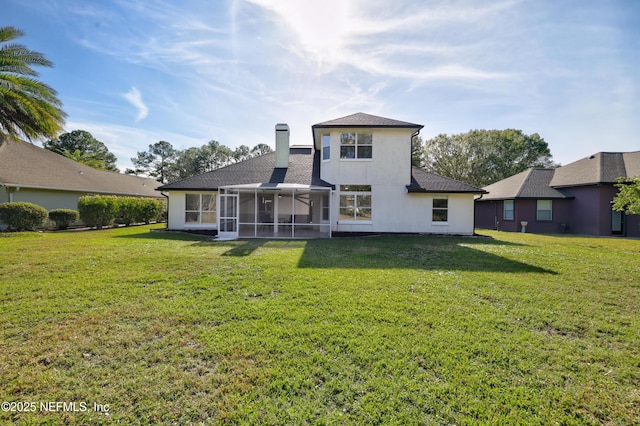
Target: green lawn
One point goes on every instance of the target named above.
(171, 328)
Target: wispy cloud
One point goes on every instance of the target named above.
(376, 37)
(135, 98)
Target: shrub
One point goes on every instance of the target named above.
(137, 210)
(162, 211)
(63, 218)
(150, 209)
(21, 216)
(98, 210)
(129, 210)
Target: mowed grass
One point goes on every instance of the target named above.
(160, 327)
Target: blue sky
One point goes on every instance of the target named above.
(134, 72)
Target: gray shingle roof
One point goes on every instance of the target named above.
(532, 183)
(361, 119)
(600, 168)
(424, 181)
(27, 165)
(304, 169)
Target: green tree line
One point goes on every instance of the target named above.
(166, 164)
(481, 157)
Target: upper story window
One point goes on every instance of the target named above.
(356, 145)
(440, 210)
(507, 213)
(200, 208)
(326, 146)
(544, 210)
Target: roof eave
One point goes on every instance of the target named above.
(367, 126)
(568, 197)
(440, 191)
(91, 191)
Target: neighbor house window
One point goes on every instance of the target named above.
(355, 202)
(440, 210)
(326, 146)
(508, 210)
(200, 208)
(544, 210)
(356, 145)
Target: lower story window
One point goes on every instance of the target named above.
(440, 210)
(355, 202)
(508, 210)
(544, 210)
(200, 209)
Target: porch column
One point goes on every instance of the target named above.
(293, 212)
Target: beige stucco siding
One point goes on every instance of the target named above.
(48, 199)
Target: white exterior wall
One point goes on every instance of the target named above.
(389, 173)
(390, 163)
(418, 209)
(395, 210)
(177, 204)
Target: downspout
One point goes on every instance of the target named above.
(474, 211)
(166, 227)
(413, 135)
(11, 191)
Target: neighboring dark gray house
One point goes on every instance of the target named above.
(575, 198)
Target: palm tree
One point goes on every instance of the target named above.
(28, 108)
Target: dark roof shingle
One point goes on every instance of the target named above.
(361, 119)
(600, 168)
(304, 169)
(425, 181)
(532, 183)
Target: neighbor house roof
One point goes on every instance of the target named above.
(597, 169)
(600, 168)
(532, 183)
(304, 169)
(424, 181)
(25, 165)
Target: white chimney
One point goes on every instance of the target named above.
(282, 146)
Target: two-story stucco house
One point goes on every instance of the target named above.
(355, 178)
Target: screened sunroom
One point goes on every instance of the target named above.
(274, 211)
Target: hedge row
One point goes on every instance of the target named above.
(103, 210)
(95, 211)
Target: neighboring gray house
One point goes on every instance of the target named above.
(355, 178)
(575, 198)
(35, 175)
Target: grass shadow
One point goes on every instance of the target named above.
(245, 248)
(162, 234)
(415, 252)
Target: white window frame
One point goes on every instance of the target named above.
(435, 209)
(539, 210)
(360, 194)
(326, 146)
(354, 140)
(200, 210)
(505, 210)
